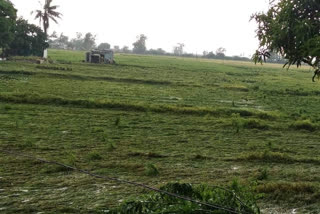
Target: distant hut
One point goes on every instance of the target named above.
(100, 56)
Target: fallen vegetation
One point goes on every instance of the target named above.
(156, 120)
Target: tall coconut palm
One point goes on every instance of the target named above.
(48, 13)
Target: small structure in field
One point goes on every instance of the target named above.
(100, 56)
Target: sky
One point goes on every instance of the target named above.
(202, 25)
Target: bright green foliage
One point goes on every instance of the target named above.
(291, 28)
(28, 40)
(7, 21)
(238, 199)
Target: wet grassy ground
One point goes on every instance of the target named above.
(197, 121)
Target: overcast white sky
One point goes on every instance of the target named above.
(200, 24)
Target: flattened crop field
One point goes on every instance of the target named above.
(194, 120)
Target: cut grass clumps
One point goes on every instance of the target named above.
(146, 155)
(275, 157)
(111, 147)
(34, 98)
(7, 107)
(293, 192)
(28, 144)
(55, 68)
(304, 125)
(29, 59)
(254, 124)
(262, 174)
(237, 88)
(200, 157)
(238, 123)
(94, 156)
(286, 187)
(64, 62)
(151, 170)
(239, 199)
(50, 169)
(267, 156)
(117, 122)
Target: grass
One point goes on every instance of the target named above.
(276, 157)
(304, 125)
(194, 120)
(151, 170)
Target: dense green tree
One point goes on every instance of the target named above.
(59, 42)
(103, 46)
(125, 49)
(139, 46)
(89, 41)
(7, 23)
(292, 29)
(46, 14)
(210, 55)
(116, 48)
(77, 43)
(158, 51)
(221, 52)
(28, 40)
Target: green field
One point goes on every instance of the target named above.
(195, 120)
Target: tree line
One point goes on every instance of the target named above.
(88, 41)
(17, 36)
(288, 32)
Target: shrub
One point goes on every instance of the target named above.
(238, 199)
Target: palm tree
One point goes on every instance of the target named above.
(47, 14)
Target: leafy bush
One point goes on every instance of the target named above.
(239, 199)
(28, 40)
